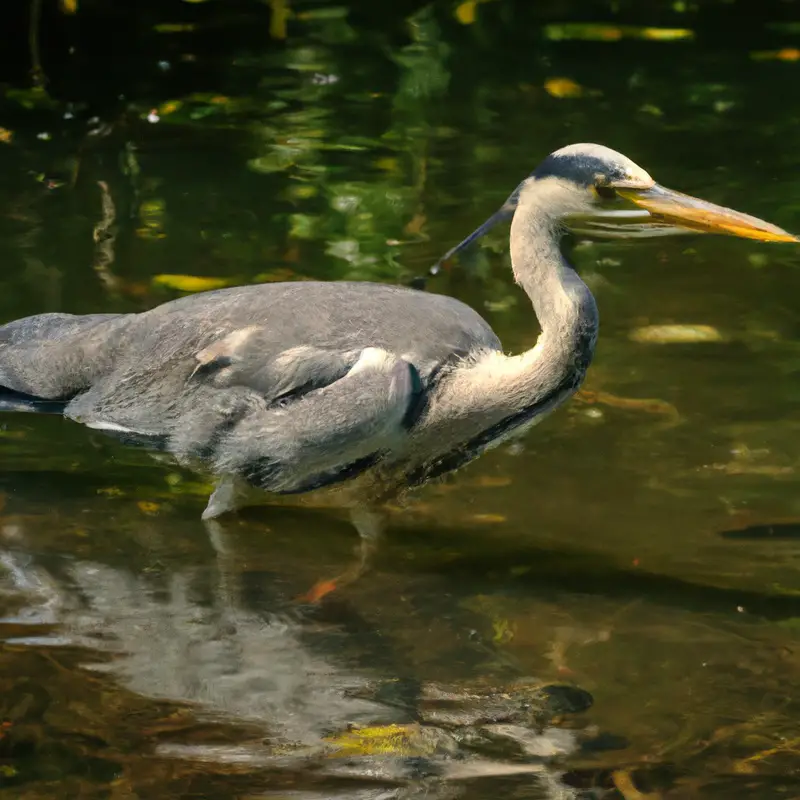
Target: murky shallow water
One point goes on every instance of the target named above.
(640, 545)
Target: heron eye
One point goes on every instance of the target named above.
(605, 193)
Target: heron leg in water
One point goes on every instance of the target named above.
(227, 496)
(230, 494)
(370, 524)
(227, 566)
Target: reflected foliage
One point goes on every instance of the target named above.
(637, 549)
(346, 122)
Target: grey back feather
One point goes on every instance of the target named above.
(289, 384)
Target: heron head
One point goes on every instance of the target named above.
(591, 189)
(585, 175)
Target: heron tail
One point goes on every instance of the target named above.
(47, 359)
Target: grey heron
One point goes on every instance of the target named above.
(355, 388)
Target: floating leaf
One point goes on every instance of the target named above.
(5, 136)
(174, 27)
(611, 33)
(194, 488)
(302, 191)
(147, 507)
(111, 491)
(319, 590)
(786, 54)
(623, 781)
(150, 233)
(490, 519)
(585, 31)
(190, 283)
(648, 405)
(465, 12)
(397, 740)
(562, 87)
(151, 213)
(170, 107)
(388, 163)
(665, 34)
(502, 631)
(676, 334)
(276, 161)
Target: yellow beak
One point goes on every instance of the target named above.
(666, 205)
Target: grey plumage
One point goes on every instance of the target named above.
(296, 386)
(239, 379)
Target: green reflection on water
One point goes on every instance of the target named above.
(594, 553)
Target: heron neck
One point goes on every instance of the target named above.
(564, 306)
(480, 404)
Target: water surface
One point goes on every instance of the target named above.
(640, 545)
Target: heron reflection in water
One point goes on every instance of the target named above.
(358, 389)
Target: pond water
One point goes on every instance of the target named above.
(640, 546)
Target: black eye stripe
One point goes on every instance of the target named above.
(605, 192)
